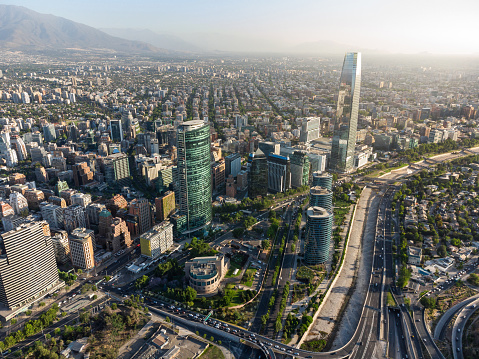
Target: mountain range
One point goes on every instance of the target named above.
(25, 29)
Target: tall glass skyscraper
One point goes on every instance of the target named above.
(346, 124)
(319, 228)
(194, 174)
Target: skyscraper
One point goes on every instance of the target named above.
(28, 269)
(258, 177)
(194, 173)
(346, 124)
(322, 179)
(116, 131)
(319, 227)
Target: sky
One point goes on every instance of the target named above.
(406, 26)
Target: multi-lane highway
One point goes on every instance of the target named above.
(459, 326)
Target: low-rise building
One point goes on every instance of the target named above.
(414, 255)
(205, 274)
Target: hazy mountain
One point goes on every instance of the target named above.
(164, 41)
(24, 29)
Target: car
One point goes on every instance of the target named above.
(458, 349)
(459, 330)
(424, 340)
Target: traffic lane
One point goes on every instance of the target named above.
(240, 333)
(459, 325)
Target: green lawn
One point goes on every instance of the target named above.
(248, 277)
(230, 272)
(212, 352)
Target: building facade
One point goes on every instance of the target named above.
(194, 174)
(28, 270)
(157, 240)
(322, 179)
(319, 228)
(205, 274)
(346, 124)
(81, 248)
(279, 173)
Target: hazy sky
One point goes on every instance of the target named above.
(436, 26)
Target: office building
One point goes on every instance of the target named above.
(319, 227)
(321, 197)
(116, 131)
(165, 179)
(82, 174)
(323, 179)
(6, 209)
(28, 270)
(205, 274)
(269, 148)
(11, 158)
(19, 203)
(232, 164)
(300, 167)
(34, 197)
(157, 240)
(117, 168)
(140, 207)
(194, 174)
(165, 206)
(346, 124)
(93, 213)
(258, 175)
(49, 133)
(218, 174)
(18, 144)
(116, 203)
(81, 248)
(310, 129)
(114, 233)
(52, 213)
(61, 246)
(61, 186)
(83, 199)
(74, 217)
(279, 173)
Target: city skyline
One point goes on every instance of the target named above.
(410, 27)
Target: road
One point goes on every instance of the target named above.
(459, 326)
(269, 286)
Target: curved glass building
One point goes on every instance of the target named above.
(346, 124)
(319, 227)
(322, 179)
(321, 197)
(194, 174)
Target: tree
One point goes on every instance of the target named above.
(428, 302)
(473, 279)
(265, 244)
(404, 276)
(441, 250)
(238, 232)
(249, 221)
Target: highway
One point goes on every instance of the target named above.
(459, 327)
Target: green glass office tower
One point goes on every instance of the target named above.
(346, 124)
(194, 174)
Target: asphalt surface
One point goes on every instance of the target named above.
(459, 327)
(269, 286)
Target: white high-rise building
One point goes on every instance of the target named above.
(19, 145)
(83, 199)
(53, 214)
(18, 202)
(11, 158)
(310, 129)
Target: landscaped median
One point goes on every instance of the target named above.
(325, 295)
